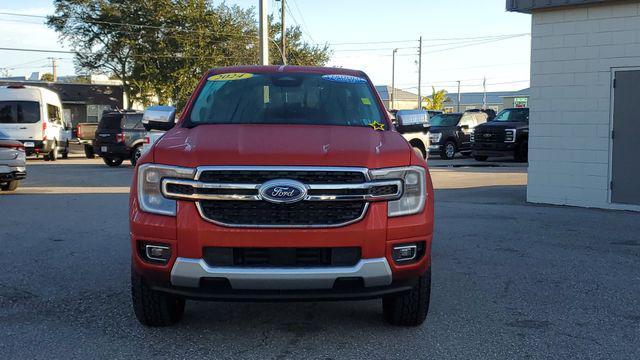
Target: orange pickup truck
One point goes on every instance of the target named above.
(280, 183)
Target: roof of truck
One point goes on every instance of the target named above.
(260, 69)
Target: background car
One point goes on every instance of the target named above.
(33, 116)
(12, 163)
(413, 125)
(506, 135)
(451, 133)
(120, 135)
(85, 134)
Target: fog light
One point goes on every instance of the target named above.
(157, 253)
(403, 253)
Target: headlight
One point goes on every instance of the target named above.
(415, 189)
(510, 135)
(435, 137)
(149, 190)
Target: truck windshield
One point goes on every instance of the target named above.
(445, 120)
(520, 115)
(20, 112)
(286, 98)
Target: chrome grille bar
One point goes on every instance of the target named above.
(244, 191)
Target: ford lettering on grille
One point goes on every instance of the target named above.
(283, 191)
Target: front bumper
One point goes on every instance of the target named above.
(222, 293)
(435, 148)
(189, 272)
(493, 149)
(186, 273)
(15, 173)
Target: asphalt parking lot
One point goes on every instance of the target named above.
(511, 280)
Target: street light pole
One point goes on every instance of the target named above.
(393, 80)
(420, 75)
(264, 32)
(459, 96)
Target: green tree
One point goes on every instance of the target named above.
(47, 77)
(437, 99)
(162, 47)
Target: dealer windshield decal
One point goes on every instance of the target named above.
(344, 79)
(230, 76)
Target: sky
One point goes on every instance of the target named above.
(465, 40)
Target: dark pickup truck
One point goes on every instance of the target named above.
(450, 133)
(506, 135)
(120, 135)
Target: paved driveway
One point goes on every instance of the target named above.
(511, 280)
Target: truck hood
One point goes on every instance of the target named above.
(293, 145)
(503, 125)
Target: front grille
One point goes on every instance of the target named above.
(489, 136)
(263, 213)
(261, 176)
(281, 257)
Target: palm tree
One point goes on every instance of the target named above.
(437, 99)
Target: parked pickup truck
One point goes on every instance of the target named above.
(280, 183)
(450, 133)
(413, 125)
(506, 135)
(86, 133)
(120, 135)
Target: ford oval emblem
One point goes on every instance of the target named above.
(283, 191)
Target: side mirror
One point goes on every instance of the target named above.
(159, 118)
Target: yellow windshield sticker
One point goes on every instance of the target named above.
(365, 101)
(377, 126)
(230, 76)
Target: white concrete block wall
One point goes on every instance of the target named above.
(573, 53)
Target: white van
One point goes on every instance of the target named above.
(33, 116)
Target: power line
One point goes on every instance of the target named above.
(474, 44)
(304, 22)
(134, 25)
(181, 56)
(428, 40)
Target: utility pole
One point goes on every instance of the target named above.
(484, 93)
(420, 74)
(54, 65)
(393, 79)
(264, 32)
(459, 96)
(283, 35)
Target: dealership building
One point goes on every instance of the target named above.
(585, 87)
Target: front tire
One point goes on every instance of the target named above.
(448, 150)
(154, 308)
(411, 308)
(113, 162)
(135, 155)
(10, 186)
